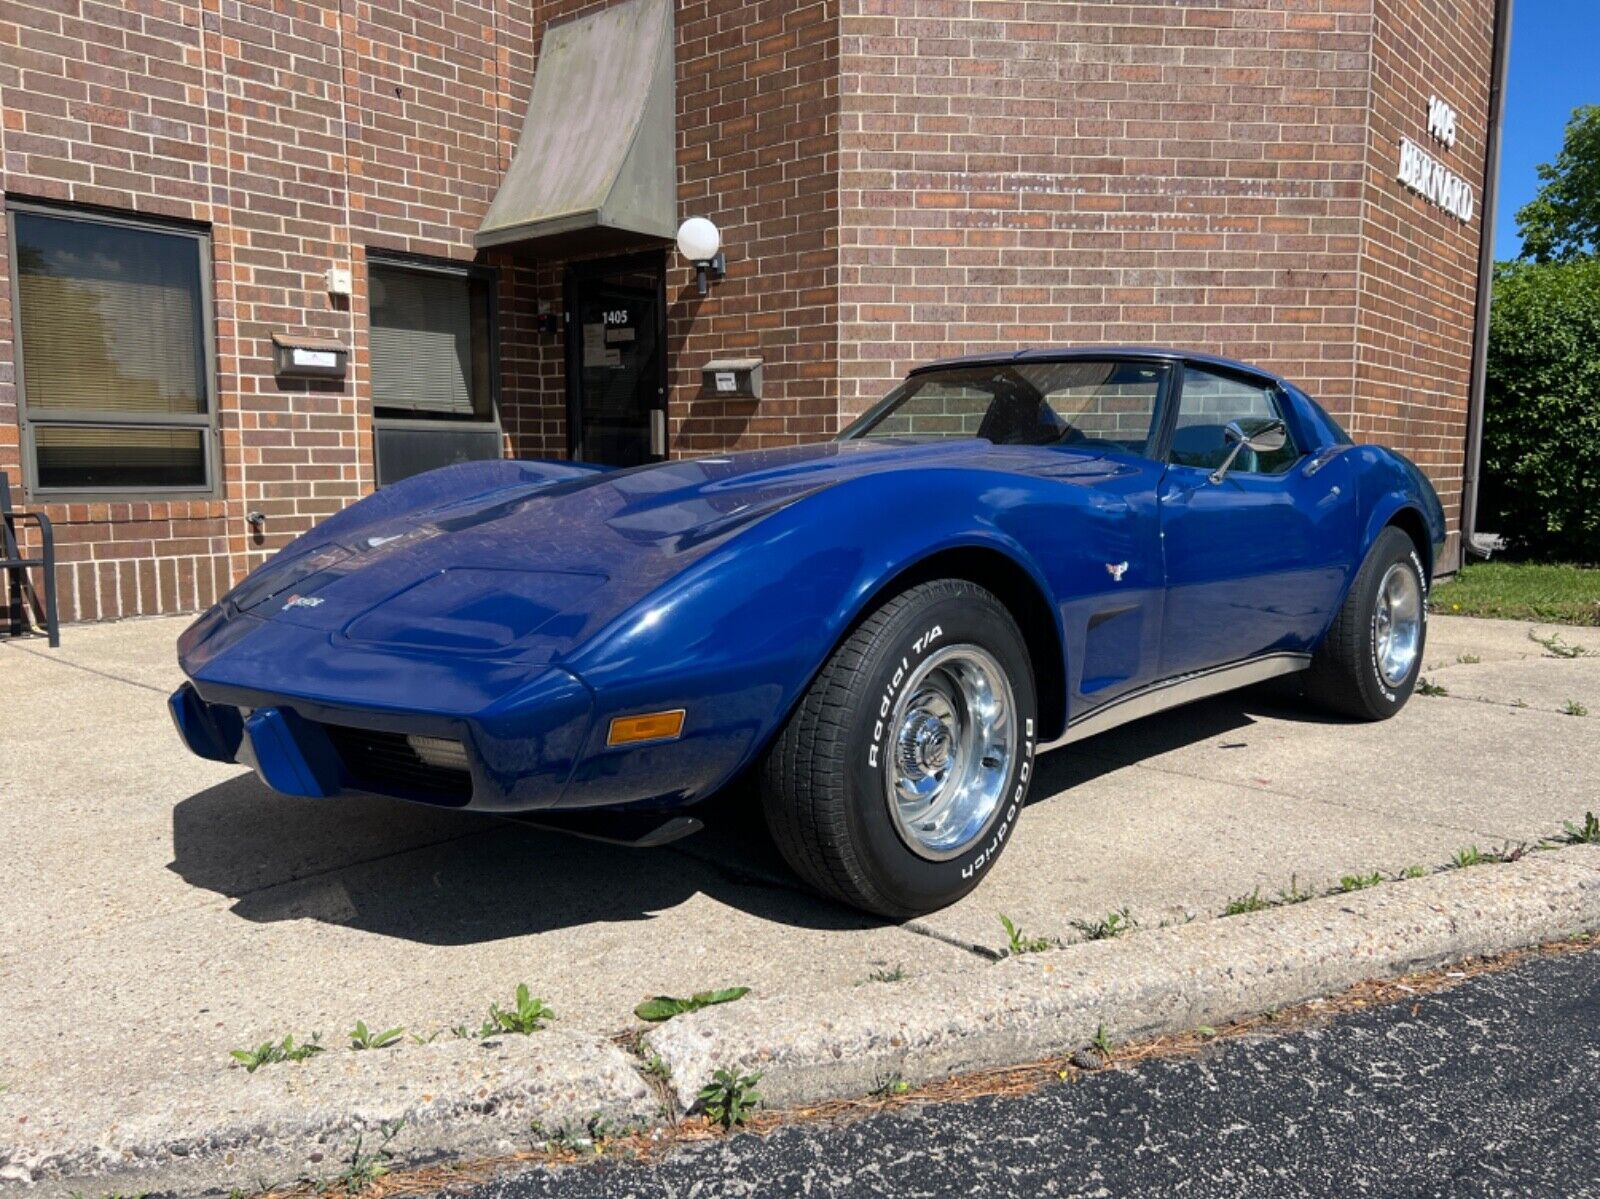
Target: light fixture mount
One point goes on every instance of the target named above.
(700, 242)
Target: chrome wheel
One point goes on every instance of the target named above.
(953, 731)
(1397, 623)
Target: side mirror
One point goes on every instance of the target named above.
(1262, 437)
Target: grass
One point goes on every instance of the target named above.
(665, 1007)
(1559, 594)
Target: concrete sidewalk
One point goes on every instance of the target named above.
(160, 911)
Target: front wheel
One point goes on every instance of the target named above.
(899, 777)
(1368, 664)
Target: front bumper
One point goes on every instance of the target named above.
(517, 757)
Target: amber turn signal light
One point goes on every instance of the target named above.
(649, 726)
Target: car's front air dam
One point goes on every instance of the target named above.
(519, 754)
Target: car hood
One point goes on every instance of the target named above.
(526, 572)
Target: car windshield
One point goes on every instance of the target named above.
(1110, 403)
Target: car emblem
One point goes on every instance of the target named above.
(302, 601)
(1116, 570)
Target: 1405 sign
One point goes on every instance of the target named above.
(1430, 178)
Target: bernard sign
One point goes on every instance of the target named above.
(1430, 178)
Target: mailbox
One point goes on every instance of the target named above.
(309, 357)
(732, 378)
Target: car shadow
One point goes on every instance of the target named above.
(1227, 718)
(453, 878)
(442, 877)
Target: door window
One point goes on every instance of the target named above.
(1209, 402)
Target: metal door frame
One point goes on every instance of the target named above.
(589, 271)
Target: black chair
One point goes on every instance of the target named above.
(16, 566)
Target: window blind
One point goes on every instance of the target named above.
(421, 341)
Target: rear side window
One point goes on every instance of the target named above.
(1209, 402)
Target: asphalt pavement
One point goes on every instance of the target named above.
(1488, 1089)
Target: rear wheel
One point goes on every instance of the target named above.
(1368, 664)
(900, 775)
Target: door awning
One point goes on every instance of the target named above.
(596, 164)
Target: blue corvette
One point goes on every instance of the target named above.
(1007, 554)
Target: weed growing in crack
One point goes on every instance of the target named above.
(730, 1097)
(1574, 708)
(361, 1037)
(1426, 687)
(1017, 944)
(1247, 903)
(889, 1085)
(1113, 924)
(363, 1169)
(1102, 1042)
(1587, 833)
(665, 1007)
(1360, 882)
(1469, 855)
(1556, 647)
(1411, 872)
(898, 974)
(1294, 894)
(657, 1068)
(270, 1053)
(527, 1014)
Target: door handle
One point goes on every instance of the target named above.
(658, 432)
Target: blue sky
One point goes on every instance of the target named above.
(1555, 66)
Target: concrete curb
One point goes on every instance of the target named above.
(227, 1129)
(819, 1047)
(224, 1129)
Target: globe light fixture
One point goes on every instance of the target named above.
(701, 243)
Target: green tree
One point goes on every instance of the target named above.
(1541, 435)
(1562, 221)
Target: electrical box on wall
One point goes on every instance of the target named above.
(309, 357)
(732, 378)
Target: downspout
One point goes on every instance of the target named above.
(1472, 470)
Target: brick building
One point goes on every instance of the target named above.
(262, 256)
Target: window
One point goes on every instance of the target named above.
(430, 343)
(1208, 403)
(114, 354)
(1075, 402)
(431, 337)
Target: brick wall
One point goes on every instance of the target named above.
(895, 180)
(1419, 263)
(1212, 175)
